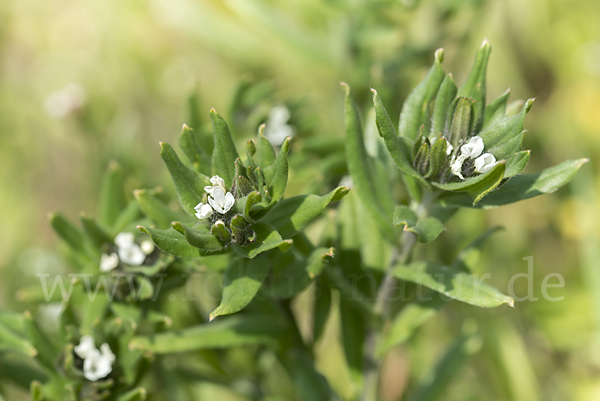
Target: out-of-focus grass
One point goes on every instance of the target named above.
(138, 61)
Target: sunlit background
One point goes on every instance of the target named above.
(86, 82)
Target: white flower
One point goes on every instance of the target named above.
(473, 148)
(147, 247)
(276, 127)
(485, 163)
(85, 347)
(96, 363)
(129, 252)
(204, 211)
(108, 262)
(218, 184)
(449, 148)
(220, 201)
(456, 165)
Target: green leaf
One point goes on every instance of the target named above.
(68, 232)
(474, 87)
(362, 167)
(415, 109)
(46, 350)
(241, 281)
(504, 137)
(112, 196)
(496, 110)
(437, 158)
(171, 242)
(516, 163)
(479, 186)
(128, 216)
(199, 237)
(234, 331)
(427, 229)
(399, 147)
(452, 283)
(96, 234)
(12, 341)
(137, 394)
(410, 318)
(188, 183)
(321, 308)
(521, 187)
(267, 238)
(160, 214)
(291, 215)
(224, 153)
(190, 143)
(276, 175)
(444, 98)
(265, 154)
(461, 122)
(350, 293)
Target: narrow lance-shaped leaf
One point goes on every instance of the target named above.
(291, 215)
(265, 154)
(474, 87)
(190, 144)
(496, 110)
(137, 394)
(415, 108)
(276, 175)
(241, 281)
(437, 158)
(96, 234)
(224, 152)
(516, 163)
(171, 242)
(461, 122)
(361, 166)
(112, 195)
(160, 214)
(505, 137)
(468, 256)
(399, 147)
(188, 183)
(454, 284)
(521, 187)
(444, 98)
(199, 238)
(11, 341)
(46, 350)
(68, 232)
(234, 331)
(427, 229)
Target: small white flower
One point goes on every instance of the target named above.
(218, 184)
(473, 148)
(204, 211)
(276, 127)
(85, 347)
(129, 252)
(98, 363)
(220, 201)
(485, 163)
(449, 148)
(147, 247)
(108, 262)
(456, 165)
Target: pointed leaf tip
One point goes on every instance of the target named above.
(439, 55)
(529, 104)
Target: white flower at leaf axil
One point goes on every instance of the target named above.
(97, 363)
(472, 150)
(219, 199)
(129, 252)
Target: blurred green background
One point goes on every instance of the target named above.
(83, 83)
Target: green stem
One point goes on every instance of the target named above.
(371, 365)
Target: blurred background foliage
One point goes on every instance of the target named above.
(83, 83)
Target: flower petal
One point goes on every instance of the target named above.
(473, 148)
(229, 202)
(485, 163)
